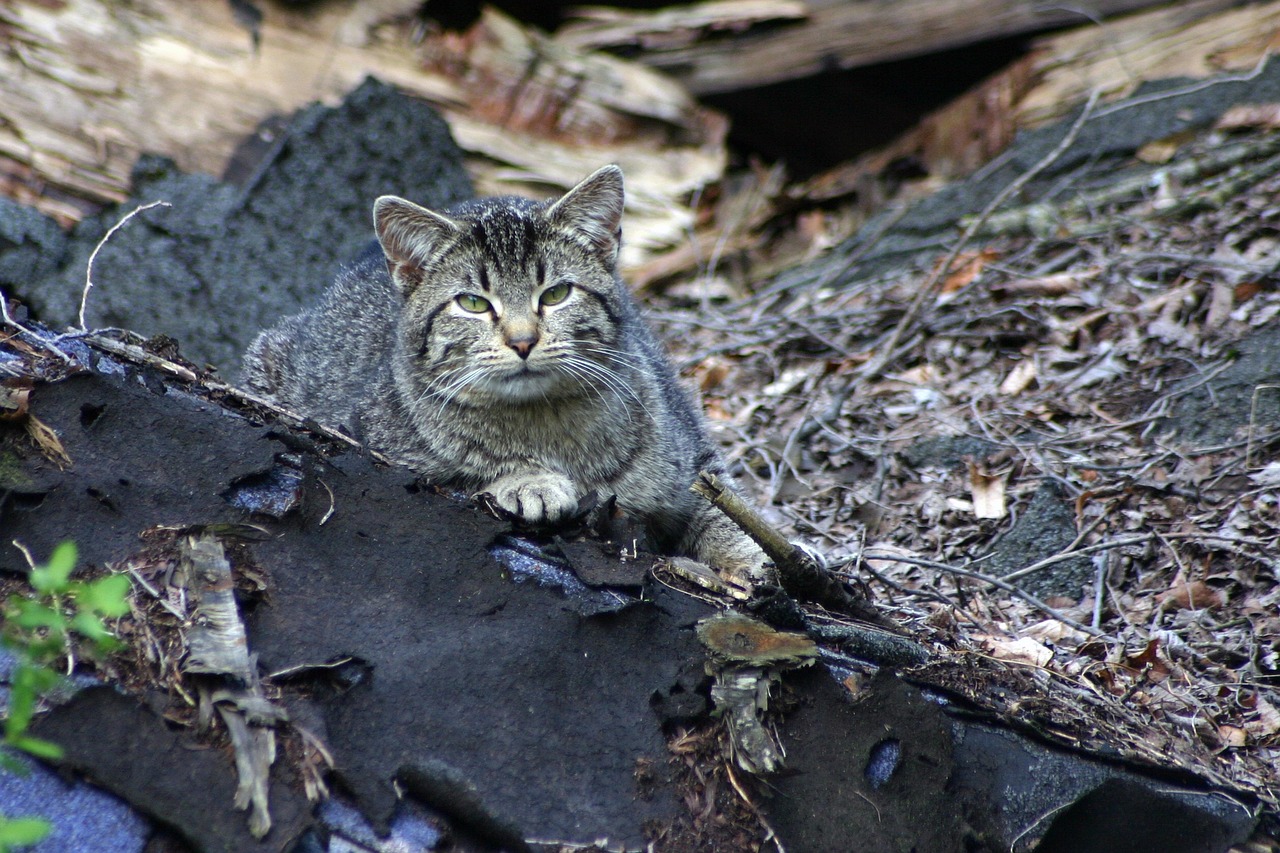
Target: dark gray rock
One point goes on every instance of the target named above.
(227, 259)
(947, 451)
(1217, 409)
(32, 246)
(1023, 795)
(1044, 527)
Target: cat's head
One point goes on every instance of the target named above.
(507, 299)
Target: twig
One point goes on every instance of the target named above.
(1188, 90)
(48, 343)
(88, 273)
(799, 572)
(879, 647)
(770, 833)
(26, 553)
(994, 581)
(1140, 539)
(1253, 421)
(889, 349)
(930, 285)
(1044, 217)
(1099, 586)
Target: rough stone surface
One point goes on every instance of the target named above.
(137, 460)
(119, 744)
(32, 246)
(1217, 407)
(834, 799)
(496, 702)
(1015, 789)
(226, 260)
(1044, 527)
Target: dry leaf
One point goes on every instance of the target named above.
(1266, 720)
(923, 374)
(1022, 650)
(15, 396)
(1191, 595)
(1250, 116)
(1268, 475)
(1150, 661)
(711, 373)
(48, 442)
(987, 491)
(966, 267)
(1058, 284)
(1054, 631)
(1221, 301)
(1019, 379)
(1233, 736)
(1162, 150)
(790, 380)
(1246, 290)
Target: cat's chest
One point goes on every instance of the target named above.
(588, 442)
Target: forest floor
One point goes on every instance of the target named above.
(1046, 441)
(1069, 463)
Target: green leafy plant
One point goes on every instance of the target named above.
(40, 628)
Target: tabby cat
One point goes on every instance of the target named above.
(493, 347)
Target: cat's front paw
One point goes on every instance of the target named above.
(542, 497)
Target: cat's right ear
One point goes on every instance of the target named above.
(411, 236)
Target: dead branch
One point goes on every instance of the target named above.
(879, 647)
(88, 272)
(799, 572)
(1062, 219)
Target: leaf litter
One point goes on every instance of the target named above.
(1063, 357)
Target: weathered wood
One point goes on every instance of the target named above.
(1193, 40)
(553, 114)
(675, 26)
(85, 87)
(834, 34)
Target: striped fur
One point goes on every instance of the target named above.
(454, 347)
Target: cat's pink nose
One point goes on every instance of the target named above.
(523, 344)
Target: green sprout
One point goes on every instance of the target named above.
(38, 627)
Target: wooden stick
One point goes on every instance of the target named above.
(799, 573)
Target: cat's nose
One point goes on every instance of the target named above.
(523, 344)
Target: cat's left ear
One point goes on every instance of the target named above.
(592, 212)
(411, 237)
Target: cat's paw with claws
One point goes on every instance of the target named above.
(543, 497)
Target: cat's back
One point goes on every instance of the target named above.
(325, 360)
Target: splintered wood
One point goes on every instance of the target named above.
(86, 87)
(217, 647)
(726, 46)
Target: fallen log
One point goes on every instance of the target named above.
(726, 46)
(87, 88)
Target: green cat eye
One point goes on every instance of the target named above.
(555, 294)
(472, 303)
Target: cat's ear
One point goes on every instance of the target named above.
(592, 212)
(411, 236)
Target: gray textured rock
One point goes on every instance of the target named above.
(228, 258)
